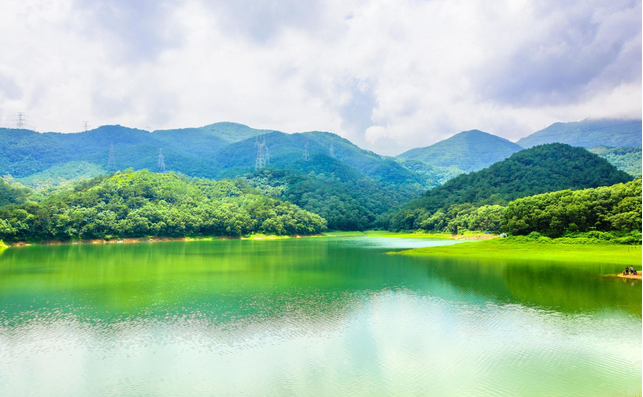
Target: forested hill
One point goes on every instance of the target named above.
(24, 153)
(627, 159)
(469, 151)
(541, 169)
(142, 204)
(589, 133)
(335, 191)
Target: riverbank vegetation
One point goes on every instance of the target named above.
(142, 204)
(611, 212)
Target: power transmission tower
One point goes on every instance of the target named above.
(86, 125)
(111, 162)
(306, 154)
(161, 161)
(260, 162)
(331, 152)
(21, 120)
(267, 156)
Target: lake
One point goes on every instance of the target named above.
(310, 317)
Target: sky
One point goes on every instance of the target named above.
(389, 75)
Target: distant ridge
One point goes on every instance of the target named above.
(469, 151)
(589, 133)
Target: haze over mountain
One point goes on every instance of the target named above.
(469, 151)
(589, 133)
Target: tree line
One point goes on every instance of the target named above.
(142, 204)
(615, 208)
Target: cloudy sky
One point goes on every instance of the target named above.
(387, 74)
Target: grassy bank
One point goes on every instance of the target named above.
(151, 240)
(387, 234)
(511, 249)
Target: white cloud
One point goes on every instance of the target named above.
(389, 75)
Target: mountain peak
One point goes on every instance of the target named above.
(468, 150)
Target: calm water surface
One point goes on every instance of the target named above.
(325, 317)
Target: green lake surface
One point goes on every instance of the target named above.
(310, 317)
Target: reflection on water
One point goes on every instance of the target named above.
(309, 317)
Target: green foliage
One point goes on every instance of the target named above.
(541, 169)
(588, 133)
(626, 159)
(12, 193)
(140, 204)
(346, 201)
(590, 216)
(613, 208)
(468, 151)
(229, 132)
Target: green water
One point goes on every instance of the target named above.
(311, 317)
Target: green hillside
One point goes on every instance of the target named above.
(334, 190)
(62, 174)
(541, 169)
(626, 159)
(215, 151)
(141, 204)
(228, 132)
(287, 151)
(589, 133)
(469, 151)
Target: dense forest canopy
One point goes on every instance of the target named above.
(541, 169)
(611, 208)
(333, 190)
(141, 204)
(615, 210)
(11, 193)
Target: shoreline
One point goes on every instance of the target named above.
(630, 276)
(610, 254)
(135, 240)
(367, 233)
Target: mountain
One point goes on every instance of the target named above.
(589, 133)
(469, 151)
(626, 159)
(541, 169)
(214, 151)
(287, 150)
